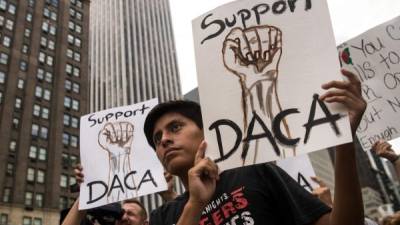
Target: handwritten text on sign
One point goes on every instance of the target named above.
(375, 57)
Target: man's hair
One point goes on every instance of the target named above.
(143, 212)
(188, 109)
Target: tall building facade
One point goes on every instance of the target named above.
(43, 79)
(132, 57)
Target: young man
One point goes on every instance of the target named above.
(258, 194)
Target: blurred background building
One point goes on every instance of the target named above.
(43, 80)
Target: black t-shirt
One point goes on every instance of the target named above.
(261, 194)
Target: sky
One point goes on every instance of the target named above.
(349, 19)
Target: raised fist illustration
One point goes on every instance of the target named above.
(254, 53)
(116, 138)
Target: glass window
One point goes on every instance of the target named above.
(70, 53)
(74, 141)
(30, 175)
(42, 154)
(75, 88)
(45, 113)
(28, 199)
(32, 152)
(65, 138)
(40, 176)
(36, 110)
(63, 203)
(76, 71)
(39, 203)
(72, 180)
(45, 26)
(71, 25)
(38, 91)
(15, 123)
(3, 5)
(7, 195)
(12, 8)
(35, 130)
(27, 32)
(6, 41)
(68, 85)
(47, 94)
(27, 220)
(74, 122)
(73, 161)
(2, 77)
(46, 12)
(49, 77)
(21, 83)
(31, 3)
(10, 169)
(77, 56)
(79, 16)
(40, 74)
(49, 60)
(78, 29)
(25, 48)
(54, 16)
(42, 57)
(51, 45)
(3, 58)
(79, 4)
(23, 65)
(78, 42)
(1, 21)
(66, 119)
(75, 105)
(64, 181)
(68, 68)
(4, 219)
(28, 17)
(10, 24)
(53, 30)
(43, 42)
(18, 103)
(67, 102)
(44, 131)
(12, 146)
(70, 39)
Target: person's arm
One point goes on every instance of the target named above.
(74, 216)
(384, 150)
(348, 205)
(202, 179)
(322, 192)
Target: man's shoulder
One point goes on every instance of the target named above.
(172, 206)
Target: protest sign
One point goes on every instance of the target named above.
(375, 57)
(260, 66)
(300, 169)
(395, 143)
(117, 161)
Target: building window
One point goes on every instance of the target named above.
(38, 91)
(36, 110)
(35, 130)
(74, 122)
(45, 113)
(75, 105)
(43, 42)
(74, 141)
(15, 123)
(7, 195)
(27, 33)
(33, 152)
(10, 169)
(27, 220)
(51, 45)
(40, 176)
(30, 175)
(54, 16)
(68, 69)
(18, 103)
(1, 20)
(66, 119)
(49, 77)
(44, 131)
(2, 77)
(63, 202)
(47, 94)
(76, 88)
(12, 8)
(77, 56)
(28, 17)
(3, 219)
(38, 221)
(28, 198)
(79, 16)
(67, 85)
(65, 140)
(10, 24)
(50, 60)
(64, 181)
(3, 5)
(70, 39)
(23, 65)
(21, 83)
(72, 180)
(40, 74)
(42, 154)
(31, 3)
(67, 102)
(42, 57)
(39, 202)
(6, 41)
(12, 146)
(3, 58)
(70, 53)
(25, 49)
(53, 30)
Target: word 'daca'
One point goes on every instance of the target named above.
(276, 135)
(118, 184)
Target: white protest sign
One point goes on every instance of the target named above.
(260, 67)
(300, 169)
(375, 57)
(117, 161)
(395, 143)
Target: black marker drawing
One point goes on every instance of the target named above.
(116, 138)
(253, 55)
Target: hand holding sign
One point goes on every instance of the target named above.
(384, 149)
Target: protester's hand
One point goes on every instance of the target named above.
(78, 174)
(253, 54)
(348, 93)
(116, 138)
(170, 193)
(384, 150)
(202, 178)
(322, 192)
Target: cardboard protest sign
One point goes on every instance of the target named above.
(117, 161)
(300, 169)
(375, 57)
(395, 143)
(260, 67)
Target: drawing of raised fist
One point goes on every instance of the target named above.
(116, 138)
(253, 54)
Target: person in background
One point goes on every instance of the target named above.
(383, 149)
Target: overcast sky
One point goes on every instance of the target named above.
(349, 18)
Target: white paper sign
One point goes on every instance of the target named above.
(375, 57)
(117, 161)
(301, 170)
(395, 143)
(260, 67)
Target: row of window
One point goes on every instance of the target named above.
(42, 93)
(72, 70)
(66, 181)
(36, 152)
(35, 175)
(74, 40)
(11, 7)
(41, 111)
(32, 221)
(39, 131)
(37, 201)
(72, 86)
(70, 140)
(75, 14)
(71, 103)
(7, 23)
(44, 75)
(71, 121)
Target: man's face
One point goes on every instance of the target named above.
(176, 139)
(132, 215)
